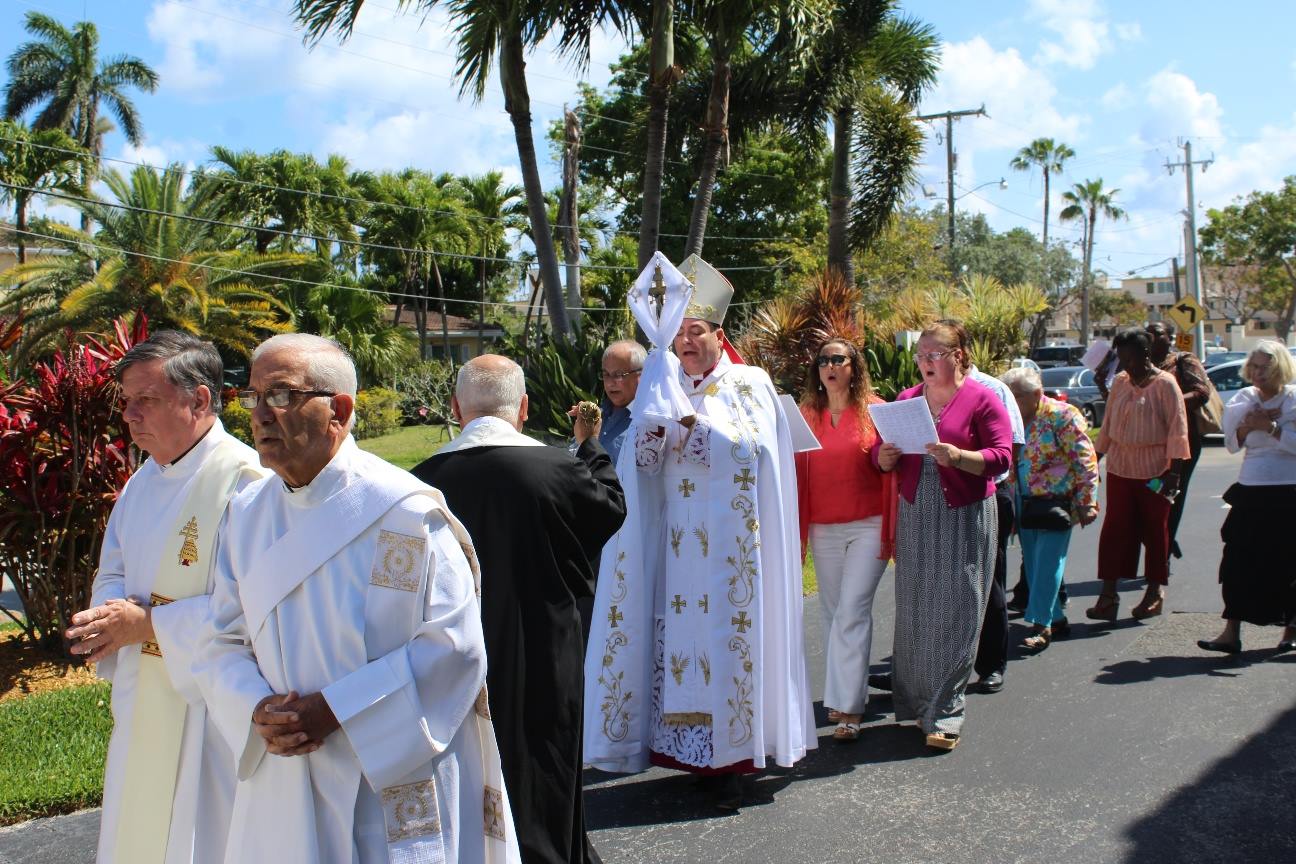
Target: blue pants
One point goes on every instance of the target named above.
(1044, 553)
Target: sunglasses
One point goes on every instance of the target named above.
(831, 359)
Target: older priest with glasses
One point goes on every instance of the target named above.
(695, 658)
(345, 662)
(169, 783)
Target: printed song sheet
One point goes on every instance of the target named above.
(803, 438)
(906, 424)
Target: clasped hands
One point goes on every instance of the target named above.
(100, 631)
(293, 725)
(1257, 420)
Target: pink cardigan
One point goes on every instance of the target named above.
(974, 419)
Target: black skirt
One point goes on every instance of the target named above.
(1258, 570)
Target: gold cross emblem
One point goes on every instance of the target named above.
(705, 604)
(657, 291)
(678, 603)
(615, 617)
(189, 549)
(687, 488)
(742, 622)
(746, 480)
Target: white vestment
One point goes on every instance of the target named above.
(138, 536)
(358, 585)
(696, 646)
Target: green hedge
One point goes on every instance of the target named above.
(52, 758)
(377, 412)
(237, 421)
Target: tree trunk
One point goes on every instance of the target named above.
(569, 214)
(517, 102)
(1283, 326)
(663, 78)
(715, 149)
(20, 225)
(1048, 277)
(1088, 278)
(839, 253)
(481, 310)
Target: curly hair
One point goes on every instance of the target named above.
(814, 397)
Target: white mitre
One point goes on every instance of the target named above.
(712, 292)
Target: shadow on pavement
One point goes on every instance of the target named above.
(1239, 809)
(1152, 668)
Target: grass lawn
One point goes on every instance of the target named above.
(53, 754)
(809, 584)
(407, 446)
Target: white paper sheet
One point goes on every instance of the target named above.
(802, 438)
(1097, 352)
(906, 424)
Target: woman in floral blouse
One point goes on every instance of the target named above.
(1057, 461)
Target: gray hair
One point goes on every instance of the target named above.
(493, 387)
(638, 353)
(1022, 380)
(1282, 369)
(188, 362)
(328, 365)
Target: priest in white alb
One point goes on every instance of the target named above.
(169, 780)
(345, 662)
(695, 657)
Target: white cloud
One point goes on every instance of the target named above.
(1129, 31)
(1085, 34)
(1176, 107)
(1117, 98)
(145, 154)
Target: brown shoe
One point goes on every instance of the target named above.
(1105, 609)
(1149, 607)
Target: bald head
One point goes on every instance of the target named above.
(490, 386)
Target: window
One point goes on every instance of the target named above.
(1151, 287)
(1087, 378)
(1210, 328)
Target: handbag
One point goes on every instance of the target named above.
(1045, 513)
(1209, 416)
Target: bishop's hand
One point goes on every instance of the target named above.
(100, 631)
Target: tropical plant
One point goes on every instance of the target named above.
(34, 162)
(425, 390)
(237, 420)
(157, 251)
(64, 457)
(658, 29)
(377, 412)
(61, 68)
(558, 375)
(494, 208)
(1086, 201)
(352, 315)
(1049, 156)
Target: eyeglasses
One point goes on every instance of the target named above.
(834, 359)
(619, 376)
(276, 397)
(932, 356)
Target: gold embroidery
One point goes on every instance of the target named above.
(705, 604)
(687, 718)
(619, 590)
(704, 312)
(482, 705)
(744, 390)
(615, 617)
(740, 704)
(396, 561)
(679, 664)
(678, 603)
(616, 719)
(410, 811)
(153, 649)
(189, 548)
(703, 540)
(712, 389)
(687, 487)
(704, 663)
(677, 534)
(742, 581)
(657, 291)
(742, 622)
(493, 812)
(745, 479)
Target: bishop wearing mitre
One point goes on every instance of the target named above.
(344, 662)
(695, 657)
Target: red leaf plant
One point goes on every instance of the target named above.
(65, 455)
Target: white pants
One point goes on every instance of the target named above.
(848, 570)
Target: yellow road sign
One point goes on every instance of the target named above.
(1183, 341)
(1186, 313)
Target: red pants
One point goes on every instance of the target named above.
(1136, 516)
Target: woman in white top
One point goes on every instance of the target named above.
(1258, 585)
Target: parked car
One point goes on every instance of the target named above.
(1057, 355)
(1227, 378)
(1024, 363)
(1076, 385)
(1219, 357)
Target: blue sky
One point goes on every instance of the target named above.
(1122, 83)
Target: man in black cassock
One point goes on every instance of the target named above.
(538, 517)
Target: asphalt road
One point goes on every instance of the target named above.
(1124, 743)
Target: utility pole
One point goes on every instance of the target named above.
(948, 117)
(1193, 270)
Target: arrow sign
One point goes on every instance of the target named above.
(1186, 313)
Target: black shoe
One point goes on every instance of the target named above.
(1061, 628)
(1284, 646)
(1222, 647)
(991, 683)
(1017, 604)
(728, 794)
(881, 682)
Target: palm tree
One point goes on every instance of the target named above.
(1085, 201)
(659, 29)
(498, 207)
(1049, 156)
(352, 315)
(159, 251)
(499, 32)
(32, 162)
(61, 68)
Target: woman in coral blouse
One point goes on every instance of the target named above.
(945, 535)
(841, 498)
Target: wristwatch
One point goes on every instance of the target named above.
(1274, 429)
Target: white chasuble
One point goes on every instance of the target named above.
(696, 646)
(361, 586)
(166, 518)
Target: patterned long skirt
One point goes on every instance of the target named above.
(944, 563)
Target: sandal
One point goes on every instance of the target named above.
(1039, 640)
(846, 731)
(1105, 609)
(834, 715)
(1148, 607)
(942, 741)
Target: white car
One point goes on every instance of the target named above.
(1227, 378)
(1024, 363)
